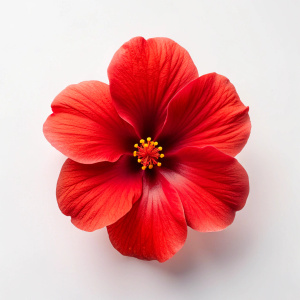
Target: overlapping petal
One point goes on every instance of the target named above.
(212, 186)
(155, 227)
(96, 195)
(144, 75)
(207, 112)
(85, 126)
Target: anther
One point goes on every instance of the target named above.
(147, 153)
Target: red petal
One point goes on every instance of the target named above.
(208, 111)
(144, 75)
(96, 195)
(155, 228)
(85, 125)
(212, 186)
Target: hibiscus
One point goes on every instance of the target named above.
(152, 152)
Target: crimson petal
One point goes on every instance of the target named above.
(208, 111)
(155, 227)
(96, 195)
(212, 186)
(144, 75)
(85, 126)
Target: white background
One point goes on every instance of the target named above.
(47, 45)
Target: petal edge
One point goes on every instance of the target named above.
(144, 75)
(212, 186)
(207, 112)
(97, 195)
(85, 126)
(155, 227)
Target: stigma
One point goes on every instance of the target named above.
(148, 153)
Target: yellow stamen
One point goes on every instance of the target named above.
(147, 153)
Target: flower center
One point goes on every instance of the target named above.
(148, 153)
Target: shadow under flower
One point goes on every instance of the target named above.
(220, 248)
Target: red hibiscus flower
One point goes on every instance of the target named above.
(152, 152)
